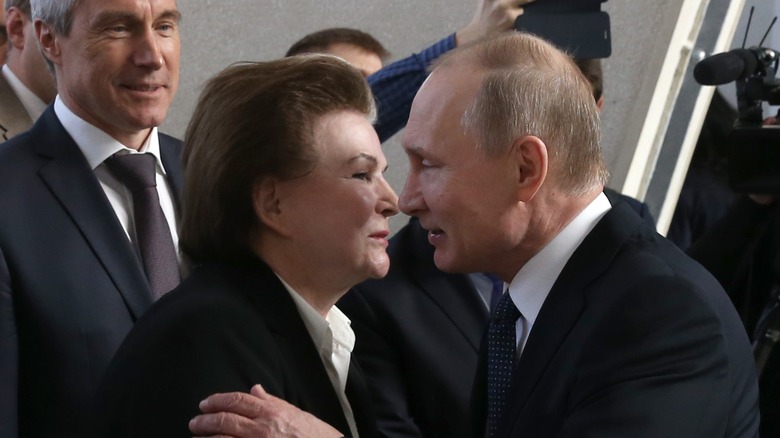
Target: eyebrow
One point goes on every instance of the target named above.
(111, 16)
(413, 150)
(365, 156)
(170, 14)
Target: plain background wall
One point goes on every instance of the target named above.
(217, 33)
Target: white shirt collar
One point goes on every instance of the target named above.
(95, 144)
(31, 102)
(536, 278)
(324, 331)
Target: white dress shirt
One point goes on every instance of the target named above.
(32, 103)
(97, 146)
(335, 340)
(535, 279)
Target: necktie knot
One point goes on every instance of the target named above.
(506, 311)
(496, 293)
(136, 171)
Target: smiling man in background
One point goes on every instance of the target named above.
(75, 264)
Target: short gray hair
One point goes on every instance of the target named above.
(56, 13)
(528, 87)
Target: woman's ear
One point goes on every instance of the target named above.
(531, 161)
(267, 204)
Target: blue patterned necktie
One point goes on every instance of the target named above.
(502, 351)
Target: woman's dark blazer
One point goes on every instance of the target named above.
(223, 329)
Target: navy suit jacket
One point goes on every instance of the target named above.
(71, 285)
(634, 339)
(223, 329)
(418, 335)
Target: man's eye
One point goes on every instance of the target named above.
(362, 175)
(166, 28)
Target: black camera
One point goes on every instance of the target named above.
(754, 153)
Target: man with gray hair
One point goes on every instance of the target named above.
(88, 194)
(26, 86)
(604, 328)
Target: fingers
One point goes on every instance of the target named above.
(221, 424)
(491, 16)
(259, 392)
(511, 10)
(236, 402)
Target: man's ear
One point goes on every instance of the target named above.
(531, 161)
(14, 26)
(48, 41)
(266, 201)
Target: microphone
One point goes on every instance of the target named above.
(726, 67)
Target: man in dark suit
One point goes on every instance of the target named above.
(420, 328)
(419, 331)
(26, 86)
(606, 329)
(71, 284)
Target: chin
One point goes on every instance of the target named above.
(449, 264)
(379, 270)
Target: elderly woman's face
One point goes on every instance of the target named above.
(341, 208)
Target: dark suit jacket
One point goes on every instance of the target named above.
(222, 330)
(742, 251)
(418, 334)
(13, 115)
(71, 285)
(634, 339)
(418, 337)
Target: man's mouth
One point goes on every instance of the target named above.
(144, 88)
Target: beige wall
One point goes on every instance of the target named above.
(217, 33)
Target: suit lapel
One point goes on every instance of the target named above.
(565, 303)
(360, 401)
(170, 154)
(72, 182)
(312, 391)
(453, 293)
(13, 115)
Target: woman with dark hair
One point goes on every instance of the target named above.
(285, 208)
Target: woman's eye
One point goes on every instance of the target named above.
(362, 175)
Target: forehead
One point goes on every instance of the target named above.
(356, 56)
(343, 135)
(153, 8)
(438, 108)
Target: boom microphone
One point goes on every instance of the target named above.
(726, 67)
